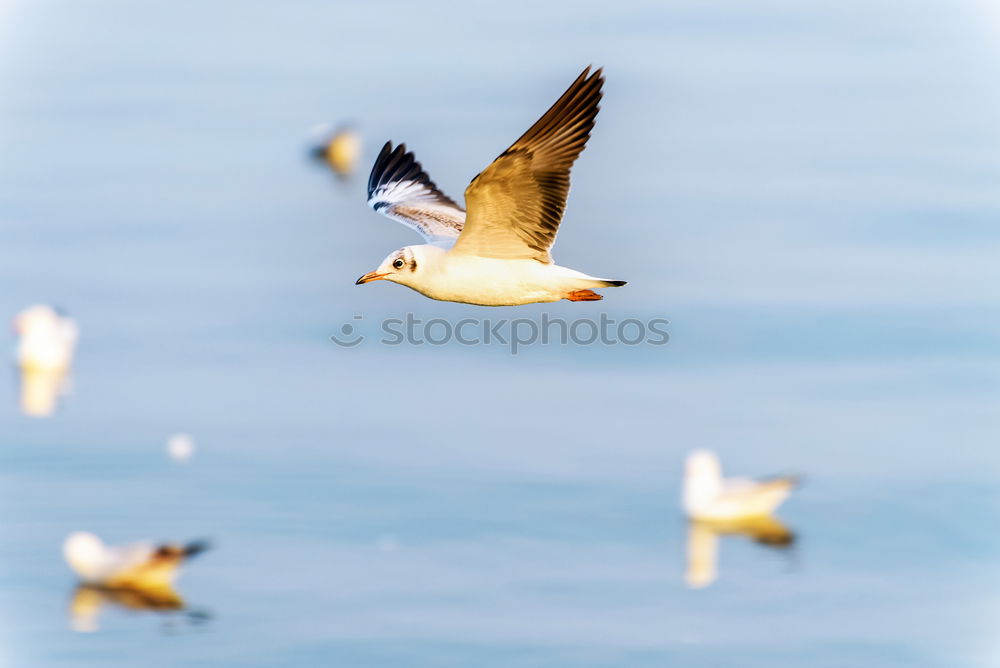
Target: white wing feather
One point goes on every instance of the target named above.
(399, 189)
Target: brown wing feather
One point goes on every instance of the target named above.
(516, 204)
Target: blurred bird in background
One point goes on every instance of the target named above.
(718, 506)
(139, 566)
(709, 496)
(338, 148)
(46, 345)
(47, 338)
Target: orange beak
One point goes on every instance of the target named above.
(369, 277)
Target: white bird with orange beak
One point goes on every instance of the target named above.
(497, 254)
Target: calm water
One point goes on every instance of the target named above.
(809, 195)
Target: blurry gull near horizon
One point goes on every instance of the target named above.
(717, 506)
(337, 147)
(497, 254)
(46, 346)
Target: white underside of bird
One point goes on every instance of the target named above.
(497, 254)
(496, 282)
(707, 496)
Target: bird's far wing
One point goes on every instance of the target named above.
(125, 558)
(516, 204)
(782, 481)
(398, 188)
(738, 485)
(749, 492)
(69, 329)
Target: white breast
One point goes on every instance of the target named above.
(496, 282)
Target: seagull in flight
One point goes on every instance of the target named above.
(497, 253)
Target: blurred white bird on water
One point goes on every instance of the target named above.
(45, 349)
(709, 496)
(720, 506)
(141, 566)
(339, 148)
(47, 338)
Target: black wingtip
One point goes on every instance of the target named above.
(318, 152)
(389, 165)
(398, 164)
(377, 168)
(196, 547)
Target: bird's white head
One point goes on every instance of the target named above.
(406, 266)
(702, 480)
(34, 319)
(85, 554)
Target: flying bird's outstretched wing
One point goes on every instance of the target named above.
(516, 204)
(398, 188)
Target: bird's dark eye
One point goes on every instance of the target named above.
(398, 263)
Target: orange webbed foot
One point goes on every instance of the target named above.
(584, 296)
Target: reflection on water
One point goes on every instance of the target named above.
(89, 601)
(41, 389)
(704, 536)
